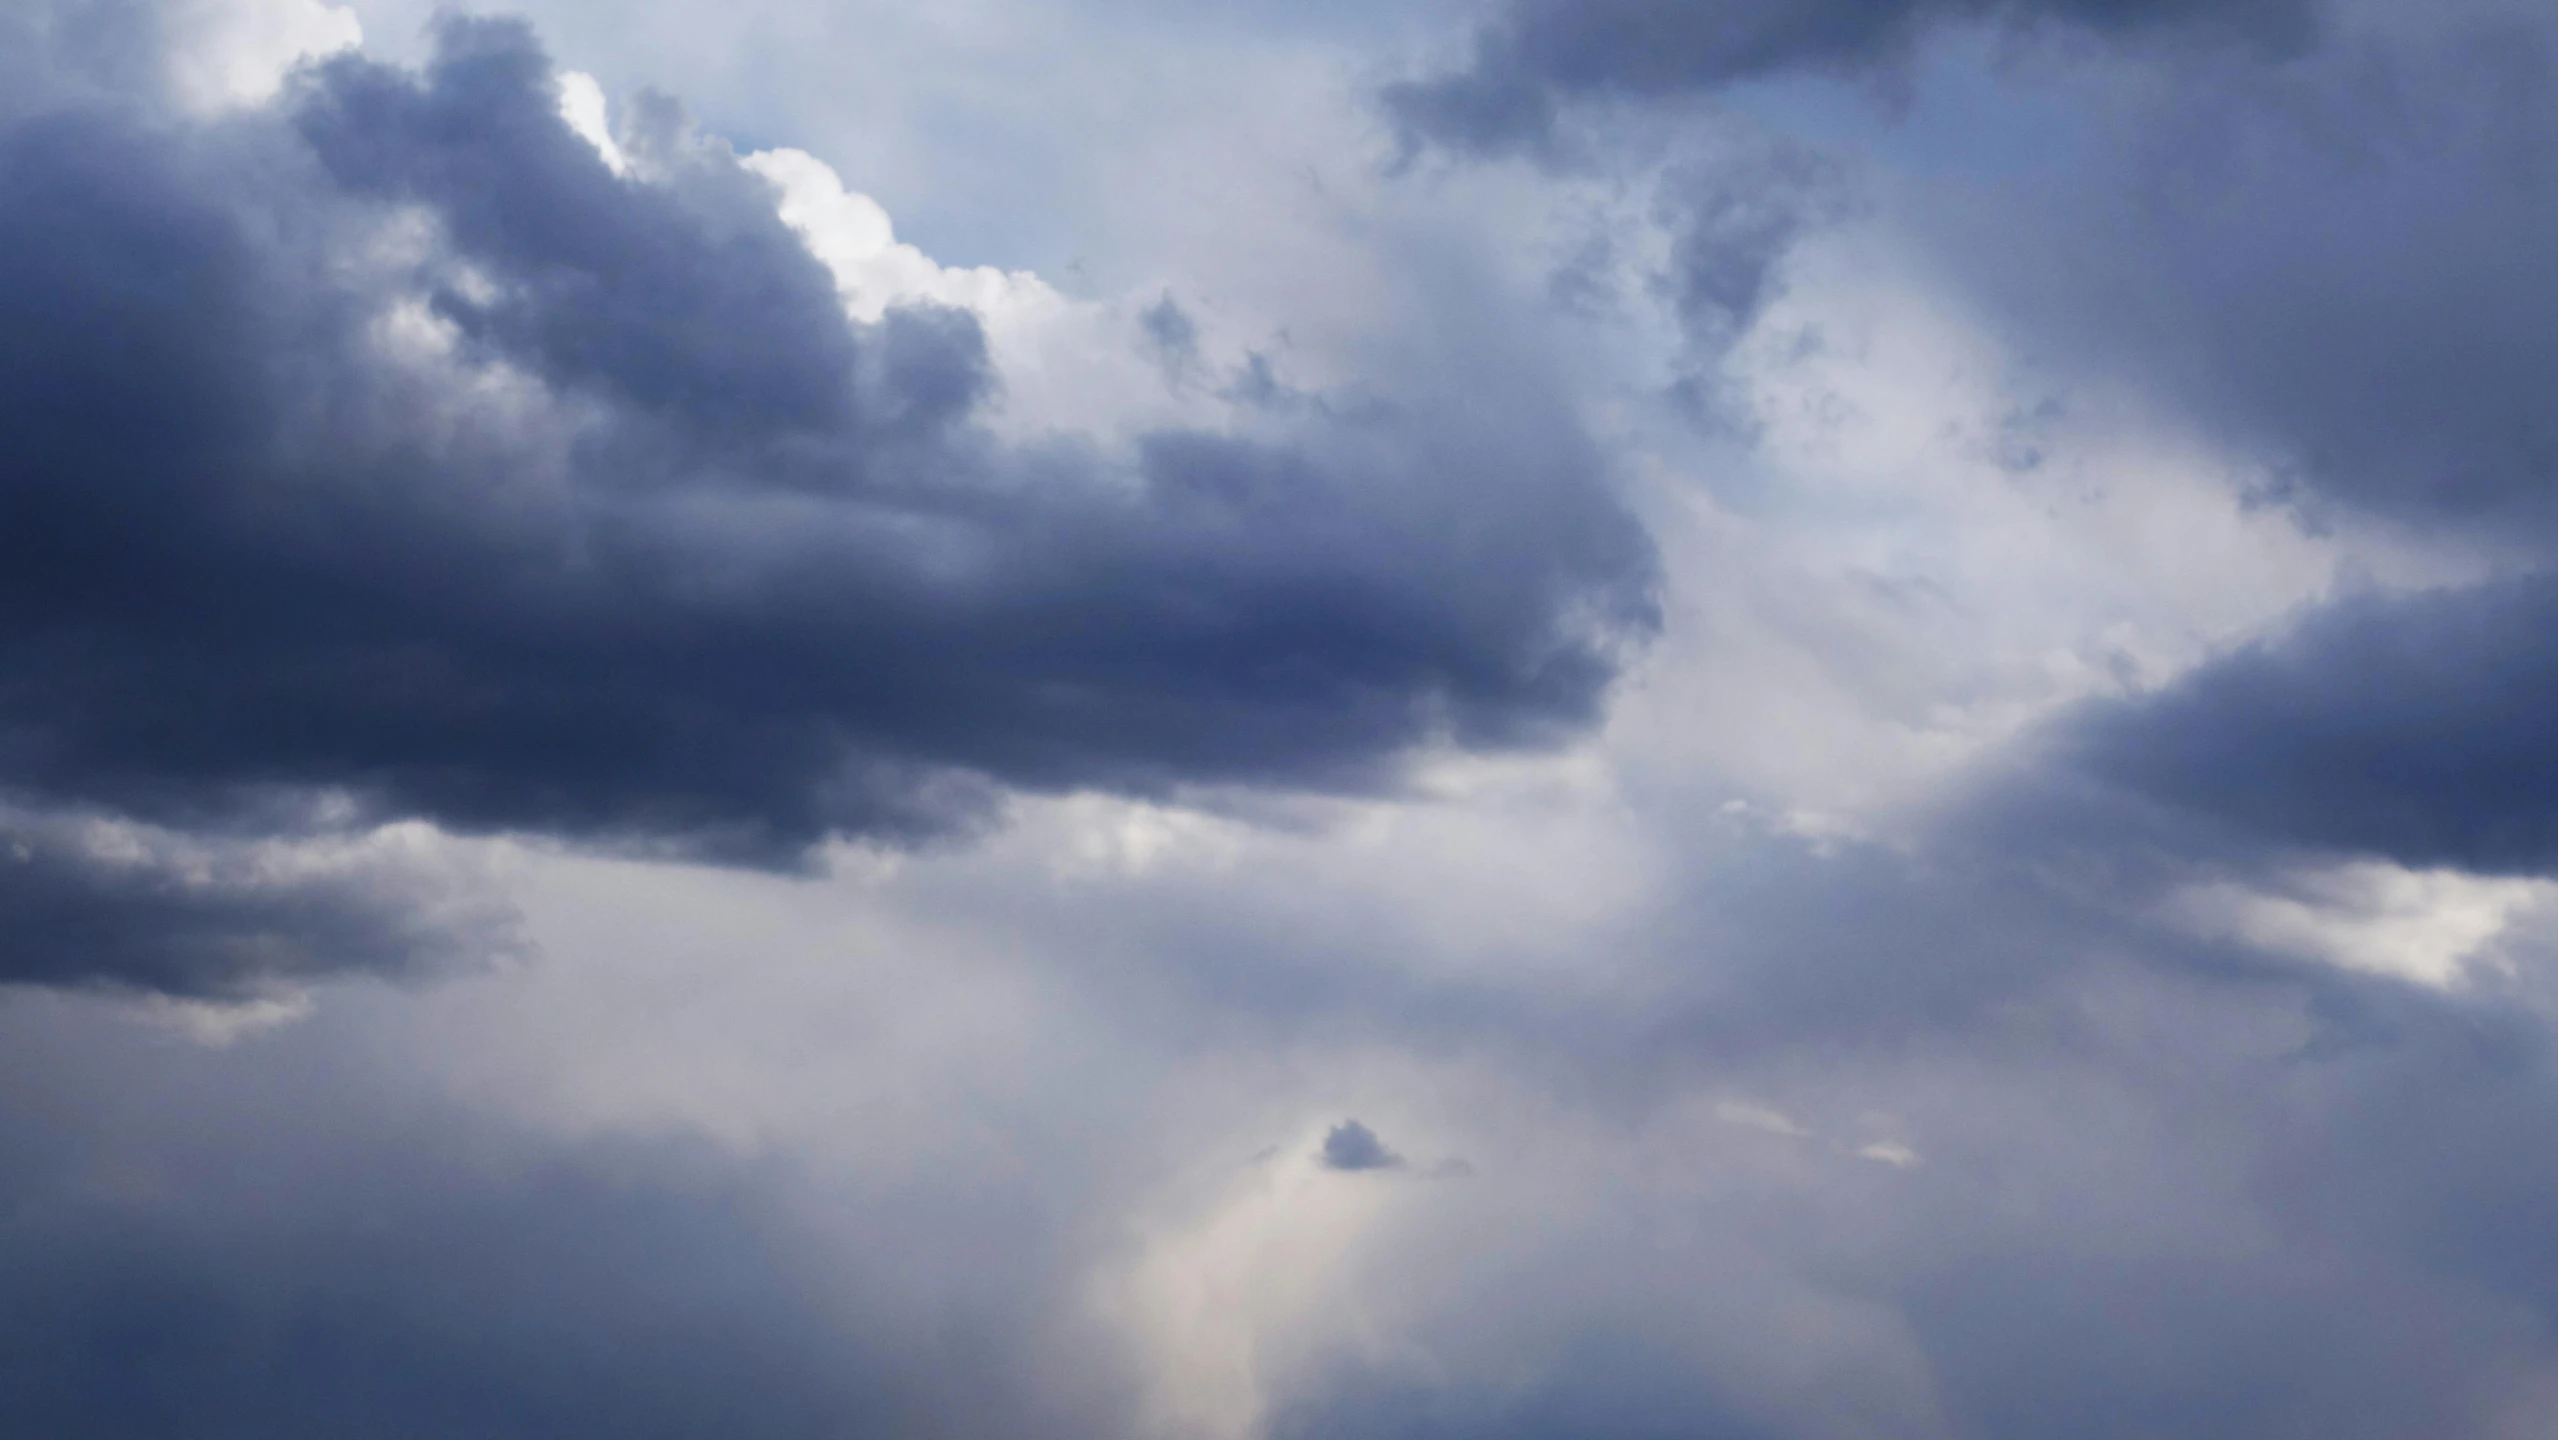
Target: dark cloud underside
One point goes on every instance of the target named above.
(1536, 56)
(2419, 730)
(388, 443)
(744, 570)
(2337, 268)
(2325, 248)
(83, 900)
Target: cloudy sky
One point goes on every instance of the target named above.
(1407, 720)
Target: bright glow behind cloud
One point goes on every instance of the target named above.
(237, 52)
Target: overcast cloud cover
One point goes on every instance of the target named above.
(1775, 719)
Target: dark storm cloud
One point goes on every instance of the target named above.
(2170, 1187)
(2417, 729)
(2337, 267)
(1537, 56)
(83, 900)
(2329, 255)
(657, 547)
(2334, 264)
(2328, 250)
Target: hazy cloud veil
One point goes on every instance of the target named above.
(1773, 718)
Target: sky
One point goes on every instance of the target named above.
(1425, 720)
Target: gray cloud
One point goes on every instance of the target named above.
(2325, 249)
(2162, 1188)
(2326, 254)
(1733, 222)
(543, 1307)
(86, 900)
(725, 591)
(2415, 729)
(1351, 1147)
(299, 1245)
(2168, 1185)
(1174, 335)
(2334, 268)
(662, 550)
(1538, 56)
(2332, 264)
(1617, 1386)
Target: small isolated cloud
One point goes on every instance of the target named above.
(1351, 1146)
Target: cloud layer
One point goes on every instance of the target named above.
(1537, 56)
(387, 443)
(1914, 726)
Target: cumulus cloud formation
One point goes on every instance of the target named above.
(387, 442)
(604, 518)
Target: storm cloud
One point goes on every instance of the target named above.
(1916, 727)
(720, 589)
(89, 898)
(2317, 241)
(2332, 267)
(2414, 729)
(386, 442)
(1536, 57)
